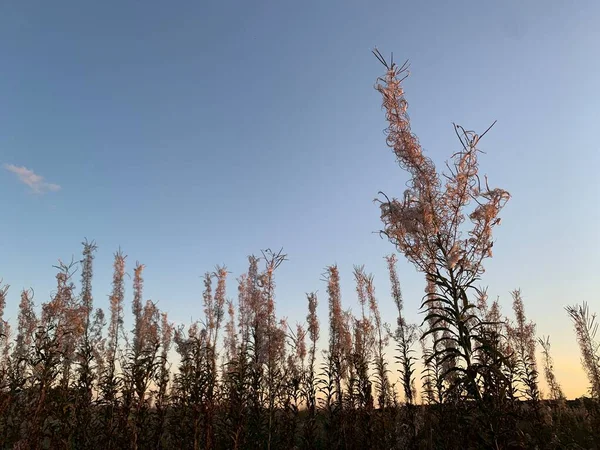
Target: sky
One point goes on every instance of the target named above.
(193, 133)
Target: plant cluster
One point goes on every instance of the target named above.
(73, 377)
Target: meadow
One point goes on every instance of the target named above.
(466, 377)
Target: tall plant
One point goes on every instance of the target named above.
(586, 328)
(426, 225)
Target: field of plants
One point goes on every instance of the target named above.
(467, 377)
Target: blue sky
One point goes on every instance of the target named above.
(195, 133)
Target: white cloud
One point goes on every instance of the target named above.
(36, 182)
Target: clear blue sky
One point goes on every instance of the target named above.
(195, 133)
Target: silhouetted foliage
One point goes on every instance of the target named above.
(240, 377)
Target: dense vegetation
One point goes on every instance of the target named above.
(72, 377)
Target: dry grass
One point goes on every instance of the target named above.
(71, 378)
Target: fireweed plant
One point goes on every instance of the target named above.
(73, 376)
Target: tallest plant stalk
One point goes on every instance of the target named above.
(426, 225)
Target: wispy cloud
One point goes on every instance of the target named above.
(36, 182)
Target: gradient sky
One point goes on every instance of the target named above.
(195, 133)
